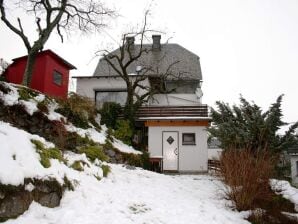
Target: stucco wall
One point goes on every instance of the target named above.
(87, 87)
(175, 99)
(214, 153)
(191, 158)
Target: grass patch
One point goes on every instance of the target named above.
(43, 105)
(78, 110)
(105, 170)
(94, 152)
(47, 154)
(26, 93)
(77, 165)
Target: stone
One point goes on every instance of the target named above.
(50, 200)
(129, 167)
(111, 153)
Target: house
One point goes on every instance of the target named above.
(293, 153)
(172, 124)
(50, 73)
(214, 149)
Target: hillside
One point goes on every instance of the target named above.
(59, 165)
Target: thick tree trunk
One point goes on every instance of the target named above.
(129, 110)
(29, 69)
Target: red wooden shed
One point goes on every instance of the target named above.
(50, 73)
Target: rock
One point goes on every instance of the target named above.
(111, 153)
(43, 188)
(50, 200)
(129, 167)
(15, 200)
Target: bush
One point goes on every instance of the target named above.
(123, 131)
(27, 93)
(109, 114)
(94, 152)
(47, 154)
(106, 170)
(247, 176)
(77, 109)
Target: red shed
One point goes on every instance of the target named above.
(50, 73)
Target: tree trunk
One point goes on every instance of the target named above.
(129, 110)
(29, 68)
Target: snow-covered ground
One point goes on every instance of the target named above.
(138, 197)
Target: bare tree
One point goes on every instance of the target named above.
(62, 15)
(129, 54)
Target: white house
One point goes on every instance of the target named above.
(172, 125)
(293, 153)
(214, 149)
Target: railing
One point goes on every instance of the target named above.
(173, 111)
(214, 165)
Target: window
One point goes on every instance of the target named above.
(157, 84)
(110, 96)
(57, 78)
(182, 86)
(188, 139)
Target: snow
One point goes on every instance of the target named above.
(137, 197)
(53, 115)
(90, 132)
(19, 159)
(100, 137)
(11, 98)
(124, 148)
(284, 187)
(30, 106)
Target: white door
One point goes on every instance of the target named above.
(170, 150)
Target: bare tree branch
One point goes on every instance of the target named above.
(64, 15)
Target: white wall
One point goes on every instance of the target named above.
(214, 153)
(87, 86)
(191, 158)
(175, 99)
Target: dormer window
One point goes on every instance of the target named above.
(182, 86)
(157, 84)
(57, 78)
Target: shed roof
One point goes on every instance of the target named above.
(187, 66)
(52, 54)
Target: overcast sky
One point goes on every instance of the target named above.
(247, 47)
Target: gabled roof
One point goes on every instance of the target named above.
(52, 54)
(188, 66)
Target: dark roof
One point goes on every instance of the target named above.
(53, 54)
(188, 66)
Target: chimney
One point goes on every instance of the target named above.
(130, 42)
(156, 42)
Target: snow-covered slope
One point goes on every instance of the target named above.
(19, 159)
(137, 197)
(125, 196)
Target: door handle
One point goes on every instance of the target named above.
(176, 151)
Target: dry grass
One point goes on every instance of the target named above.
(247, 175)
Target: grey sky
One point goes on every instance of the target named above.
(246, 46)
